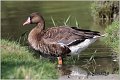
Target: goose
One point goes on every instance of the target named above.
(58, 41)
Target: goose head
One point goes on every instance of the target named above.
(34, 18)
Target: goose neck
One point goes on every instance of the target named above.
(41, 26)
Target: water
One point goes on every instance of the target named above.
(14, 13)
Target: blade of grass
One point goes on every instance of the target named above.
(76, 23)
(41, 71)
(53, 21)
(92, 55)
(65, 22)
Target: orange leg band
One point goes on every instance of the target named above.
(60, 60)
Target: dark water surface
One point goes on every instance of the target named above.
(14, 13)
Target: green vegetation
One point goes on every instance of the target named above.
(105, 12)
(112, 39)
(18, 63)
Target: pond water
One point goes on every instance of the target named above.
(14, 13)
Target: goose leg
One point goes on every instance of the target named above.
(59, 61)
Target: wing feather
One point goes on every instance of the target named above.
(58, 39)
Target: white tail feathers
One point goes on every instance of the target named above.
(104, 35)
(96, 36)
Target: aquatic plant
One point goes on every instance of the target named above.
(105, 12)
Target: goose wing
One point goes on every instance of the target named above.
(58, 39)
(68, 36)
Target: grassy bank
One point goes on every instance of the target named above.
(18, 63)
(106, 13)
(112, 38)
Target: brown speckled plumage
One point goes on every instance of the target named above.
(55, 40)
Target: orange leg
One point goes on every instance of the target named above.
(60, 61)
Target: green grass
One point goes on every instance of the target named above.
(18, 63)
(112, 38)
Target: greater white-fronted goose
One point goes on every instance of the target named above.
(58, 41)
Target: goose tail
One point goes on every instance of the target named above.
(104, 35)
(98, 36)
